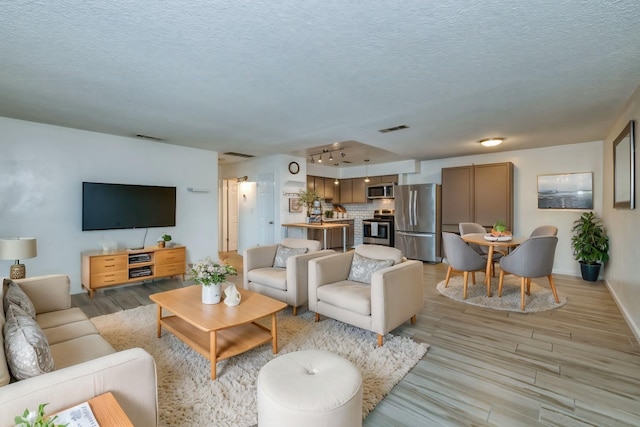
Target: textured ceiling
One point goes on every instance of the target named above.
(293, 77)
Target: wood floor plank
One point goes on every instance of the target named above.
(573, 366)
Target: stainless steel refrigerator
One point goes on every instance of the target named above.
(417, 221)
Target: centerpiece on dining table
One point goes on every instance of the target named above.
(211, 274)
(499, 232)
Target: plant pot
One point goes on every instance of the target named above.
(211, 294)
(590, 272)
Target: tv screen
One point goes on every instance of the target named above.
(116, 206)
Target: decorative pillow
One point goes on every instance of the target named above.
(26, 347)
(15, 295)
(362, 268)
(285, 252)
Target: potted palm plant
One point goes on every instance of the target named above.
(590, 245)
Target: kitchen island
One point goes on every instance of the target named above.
(323, 226)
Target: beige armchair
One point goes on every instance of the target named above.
(282, 275)
(373, 288)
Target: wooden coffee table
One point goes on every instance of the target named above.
(217, 331)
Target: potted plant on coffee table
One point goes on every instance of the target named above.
(590, 245)
(211, 274)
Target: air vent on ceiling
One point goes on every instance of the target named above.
(393, 129)
(246, 156)
(152, 138)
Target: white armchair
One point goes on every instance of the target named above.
(360, 289)
(285, 278)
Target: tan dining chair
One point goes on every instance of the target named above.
(544, 230)
(533, 258)
(461, 257)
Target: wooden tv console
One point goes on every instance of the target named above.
(104, 269)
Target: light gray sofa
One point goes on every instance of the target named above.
(85, 363)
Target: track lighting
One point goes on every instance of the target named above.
(326, 150)
(342, 153)
(312, 160)
(330, 157)
(320, 159)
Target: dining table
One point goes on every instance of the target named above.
(485, 239)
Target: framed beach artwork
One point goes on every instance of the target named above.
(566, 191)
(294, 205)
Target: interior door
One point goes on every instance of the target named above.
(266, 213)
(232, 216)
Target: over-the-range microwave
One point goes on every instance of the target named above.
(380, 191)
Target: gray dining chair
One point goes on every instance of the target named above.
(533, 258)
(461, 257)
(472, 227)
(544, 230)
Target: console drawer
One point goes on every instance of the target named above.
(109, 278)
(170, 269)
(170, 256)
(109, 263)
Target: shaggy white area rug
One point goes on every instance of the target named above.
(541, 298)
(188, 396)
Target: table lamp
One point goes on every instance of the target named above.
(18, 248)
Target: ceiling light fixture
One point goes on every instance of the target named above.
(336, 182)
(320, 158)
(342, 153)
(366, 170)
(330, 156)
(312, 160)
(491, 142)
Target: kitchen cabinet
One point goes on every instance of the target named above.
(329, 188)
(358, 190)
(346, 191)
(477, 193)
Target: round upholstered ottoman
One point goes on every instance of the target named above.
(309, 388)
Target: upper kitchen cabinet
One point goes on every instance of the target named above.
(330, 189)
(359, 192)
(477, 193)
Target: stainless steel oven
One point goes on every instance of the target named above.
(379, 230)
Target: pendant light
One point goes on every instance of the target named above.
(366, 168)
(336, 182)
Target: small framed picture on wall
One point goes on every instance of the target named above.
(294, 205)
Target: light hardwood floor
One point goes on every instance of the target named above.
(578, 365)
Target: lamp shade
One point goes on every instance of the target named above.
(17, 248)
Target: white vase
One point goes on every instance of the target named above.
(211, 293)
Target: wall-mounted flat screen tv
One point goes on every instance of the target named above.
(117, 206)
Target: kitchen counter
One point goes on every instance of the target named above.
(324, 226)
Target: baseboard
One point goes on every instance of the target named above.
(634, 328)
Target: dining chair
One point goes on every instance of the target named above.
(533, 258)
(544, 230)
(461, 257)
(472, 227)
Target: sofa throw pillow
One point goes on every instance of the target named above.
(25, 345)
(15, 295)
(285, 252)
(362, 268)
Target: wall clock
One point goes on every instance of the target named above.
(294, 167)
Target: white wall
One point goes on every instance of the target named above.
(528, 164)
(42, 168)
(622, 272)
